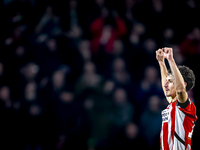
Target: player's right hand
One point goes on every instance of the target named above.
(160, 55)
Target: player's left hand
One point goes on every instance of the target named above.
(168, 53)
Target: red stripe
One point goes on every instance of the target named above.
(165, 136)
(187, 127)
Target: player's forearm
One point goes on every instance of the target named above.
(163, 71)
(179, 81)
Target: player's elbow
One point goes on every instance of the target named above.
(181, 91)
(181, 95)
(180, 88)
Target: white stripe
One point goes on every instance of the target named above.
(170, 142)
(188, 147)
(179, 119)
(178, 145)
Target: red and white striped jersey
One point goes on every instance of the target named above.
(178, 121)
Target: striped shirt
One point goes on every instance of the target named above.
(178, 121)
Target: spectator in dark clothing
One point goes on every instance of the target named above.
(72, 123)
(126, 138)
(150, 122)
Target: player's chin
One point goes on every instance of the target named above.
(168, 94)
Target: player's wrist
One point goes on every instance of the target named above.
(170, 59)
(161, 61)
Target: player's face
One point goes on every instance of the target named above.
(169, 86)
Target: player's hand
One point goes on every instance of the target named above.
(168, 53)
(160, 55)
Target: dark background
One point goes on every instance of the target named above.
(83, 74)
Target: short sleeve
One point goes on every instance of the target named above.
(188, 108)
(183, 105)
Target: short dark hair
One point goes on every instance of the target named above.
(188, 76)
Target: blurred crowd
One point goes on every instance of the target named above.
(83, 74)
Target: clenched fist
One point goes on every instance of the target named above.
(160, 55)
(168, 53)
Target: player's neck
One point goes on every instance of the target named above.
(171, 99)
(174, 99)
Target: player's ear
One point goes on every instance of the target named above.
(185, 84)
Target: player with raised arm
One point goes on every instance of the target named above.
(178, 119)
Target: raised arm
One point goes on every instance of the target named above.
(163, 70)
(179, 83)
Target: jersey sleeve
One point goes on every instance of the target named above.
(188, 108)
(183, 105)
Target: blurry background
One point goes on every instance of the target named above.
(83, 75)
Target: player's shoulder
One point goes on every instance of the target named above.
(192, 108)
(188, 108)
(192, 105)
